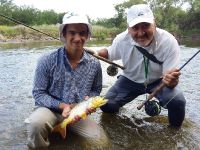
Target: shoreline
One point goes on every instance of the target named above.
(43, 39)
(10, 41)
(184, 40)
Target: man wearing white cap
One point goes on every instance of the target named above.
(142, 74)
(62, 78)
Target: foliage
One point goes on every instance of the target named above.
(12, 32)
(102, 33)
(27, 15)
(21, 32)
(169, 15)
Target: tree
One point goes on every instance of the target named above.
(120, 18)
(47, 17)
(6, 8)
(6, 2)
(25, 14)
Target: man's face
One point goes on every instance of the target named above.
(143, 33)
(76, 36)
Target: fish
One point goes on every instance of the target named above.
(79, 110)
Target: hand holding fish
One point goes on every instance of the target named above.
(79, 111)
(90, 110)
(75, 119)
(171, 78)
(66, 108)
(66, 111)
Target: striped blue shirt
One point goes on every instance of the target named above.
(55, 81)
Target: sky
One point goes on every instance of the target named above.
(93, 8)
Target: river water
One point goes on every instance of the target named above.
(128, 130)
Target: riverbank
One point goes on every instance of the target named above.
(21, 34)
(192, 41)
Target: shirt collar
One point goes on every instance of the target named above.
(85, 58)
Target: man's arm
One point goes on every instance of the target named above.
(97, 84)
(41, 85)
(171, 72)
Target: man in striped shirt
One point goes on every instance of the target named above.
(63, 78)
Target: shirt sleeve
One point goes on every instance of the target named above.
(97, 84)
(114, 50)
(41, 84)
(172, 57)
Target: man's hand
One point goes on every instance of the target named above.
(66, 108)
(89, 111)
(66, 111)
(76, 118)
(171, 78)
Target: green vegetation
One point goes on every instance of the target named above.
(21, 32)
(169, 14)
(101, 32)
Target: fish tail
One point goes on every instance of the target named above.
(62, 131)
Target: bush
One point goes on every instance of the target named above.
(102, 33)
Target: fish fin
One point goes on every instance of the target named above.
(61, 130)
(84, 115)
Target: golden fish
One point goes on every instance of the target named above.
(81, 111)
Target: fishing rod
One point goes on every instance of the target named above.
(162, 85)
(88, 51)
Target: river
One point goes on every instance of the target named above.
(128, 130)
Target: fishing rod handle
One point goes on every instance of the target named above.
(158, 89)
(108, 61)
(142, 104)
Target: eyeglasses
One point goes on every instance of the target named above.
(73, 33)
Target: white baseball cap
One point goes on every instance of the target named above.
(139, 13)
(72, 18)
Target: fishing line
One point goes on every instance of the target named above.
(171, 99)
(180, 69)
(18, 22)
(88, 51)
(159, 87)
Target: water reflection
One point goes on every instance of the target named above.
(129, 129)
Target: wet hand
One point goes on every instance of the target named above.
(86, 97)
(76, 118)
(171, 78)
(66, 111)
(90, 110)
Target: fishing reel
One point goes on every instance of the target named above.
(112, 70)
(152, 108)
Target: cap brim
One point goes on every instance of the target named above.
(140, 20)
